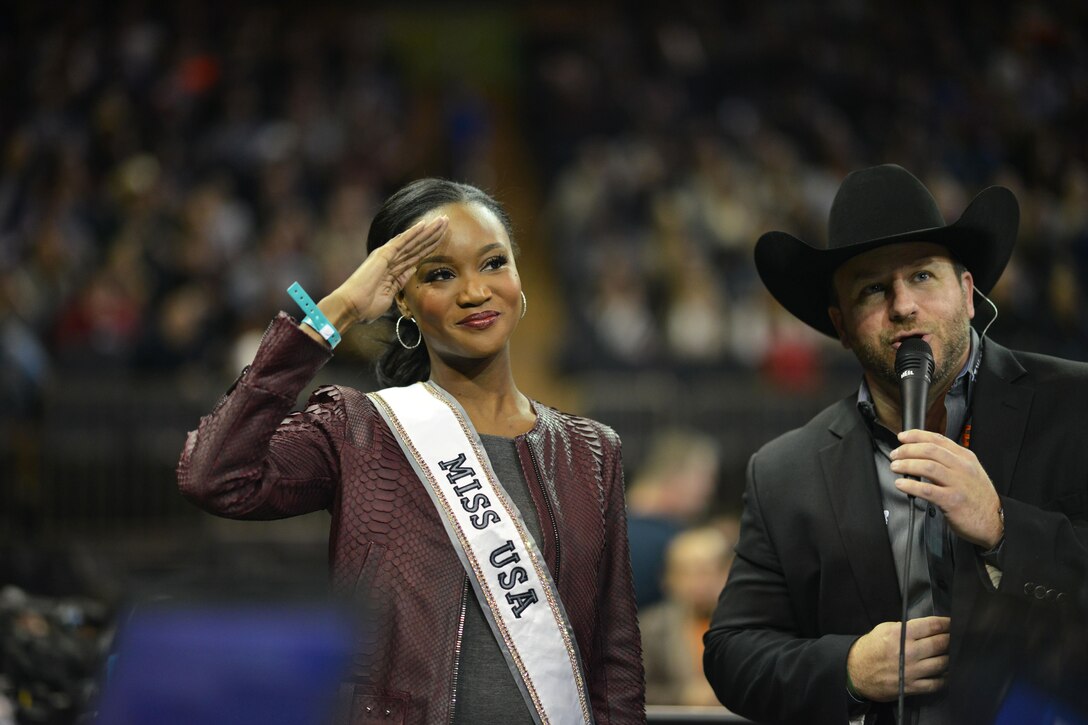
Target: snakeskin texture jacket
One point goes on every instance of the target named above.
(254, 459)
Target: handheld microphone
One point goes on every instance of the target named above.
(914, 368)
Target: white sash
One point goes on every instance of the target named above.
(511, 580)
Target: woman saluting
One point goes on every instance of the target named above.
(486, 531)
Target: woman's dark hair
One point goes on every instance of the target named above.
(399, 366)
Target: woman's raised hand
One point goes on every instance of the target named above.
(369, 291)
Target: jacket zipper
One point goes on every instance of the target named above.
(457, 646)
(548, 506)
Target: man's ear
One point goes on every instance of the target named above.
(968, 283)
(836, 319)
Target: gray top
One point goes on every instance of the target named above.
(486, 689)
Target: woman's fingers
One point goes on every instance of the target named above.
(406, 253)
(418, 236)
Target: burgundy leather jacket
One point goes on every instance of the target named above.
(251, 459)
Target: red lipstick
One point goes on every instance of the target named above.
(479, 320)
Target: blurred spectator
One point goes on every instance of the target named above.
(24, 364)
(697, 566)
(673, 488)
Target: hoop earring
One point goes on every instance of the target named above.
(524, 304)
(401, 339)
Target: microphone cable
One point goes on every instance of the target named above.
(903, 620)
(994, 306)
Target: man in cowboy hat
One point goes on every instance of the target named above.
(807, 628)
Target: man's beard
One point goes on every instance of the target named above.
(954, 336)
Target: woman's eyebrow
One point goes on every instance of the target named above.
(443, 259)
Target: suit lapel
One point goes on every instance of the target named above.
(1000, 414)
(849, 474)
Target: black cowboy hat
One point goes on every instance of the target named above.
(878, 206)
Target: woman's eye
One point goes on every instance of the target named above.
(439, 274)
(499, 260)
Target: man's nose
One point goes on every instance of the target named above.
(902, 302)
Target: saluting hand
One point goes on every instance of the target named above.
(369, 291)
(955, 482)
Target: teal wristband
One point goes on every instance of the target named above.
(315, 318)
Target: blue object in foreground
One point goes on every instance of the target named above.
(1026, 705)
(211, 664)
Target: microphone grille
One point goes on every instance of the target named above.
(914, 355)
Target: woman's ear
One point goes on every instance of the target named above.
(402, 306)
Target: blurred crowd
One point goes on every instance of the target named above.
(166, 171)
(672, 138)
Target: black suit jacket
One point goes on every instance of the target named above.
(814, 567)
